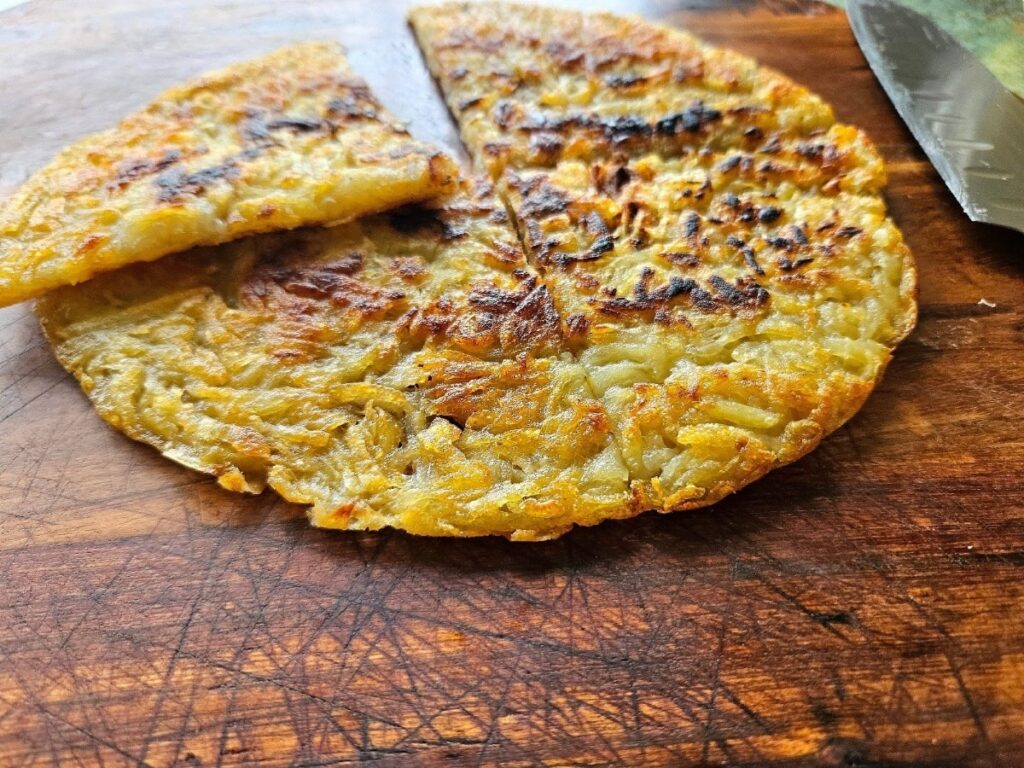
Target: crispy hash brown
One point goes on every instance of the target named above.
(286, 140)
(716, 243)
(690, 280)
(531, 86)
(401, 370)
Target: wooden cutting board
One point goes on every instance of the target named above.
(864, 607)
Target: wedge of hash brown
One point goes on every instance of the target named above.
(289, 139)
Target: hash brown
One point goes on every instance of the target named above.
(289, 139)
(652, 320)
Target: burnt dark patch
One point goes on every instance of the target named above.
(749, 255)
(577, 324)
(768, 214)
(543, 200)
(773, 146)
(788, 265)
(848, 232)
(624, 81)
(174, 184)
(798, 235)
(548, 145)
(693, 119)
(681, 258)
(130, 170)
(731, 163)
(598, 248)
(743, 294)
(504, 112)
(358, 105)
(608, 181)
(692, 224)
(298, 124)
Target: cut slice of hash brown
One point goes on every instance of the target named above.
(717, 245)
(289, 139)
(530, 86)
(404, 370)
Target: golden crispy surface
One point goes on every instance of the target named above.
(405, 370)
(286, 140)
(716, 244)
(531, 86)
(677, 317)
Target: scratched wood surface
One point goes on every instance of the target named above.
(861, 608)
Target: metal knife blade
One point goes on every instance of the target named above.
(970, 126)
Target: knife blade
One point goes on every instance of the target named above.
(967, 122)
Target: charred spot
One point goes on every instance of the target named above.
(564, 55)
(848, 232)
(680, 258)
(730, 200)
(610, 182)
(730, 163)
(130, 170)
(788, 265)
(780, 242)
(742, 294)
(624, 81)
(693, 119)
(546, 144)
(594, 224)
(798, 234)
(645, 299)
(619, 130)
(747, 213)
(543, 200)
(577, 324)
(505, 253)
(703, 189)
(692, 224)
(297, 124)
(175, 184)
(810, 150)
(352, 106)
(408, 268)
(295, 285)
(749, 256)
(504, 112)
(825, 226)
(753, 134)
(773, 146)
(768, 214)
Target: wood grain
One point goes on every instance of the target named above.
(860, 608)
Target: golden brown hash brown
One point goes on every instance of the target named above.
(717, 244)
(682, 311)
(289, 139)
(404, 370)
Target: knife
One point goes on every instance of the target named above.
(967, 122)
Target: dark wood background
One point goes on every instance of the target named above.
(860, 608)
